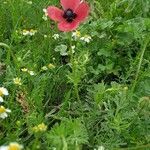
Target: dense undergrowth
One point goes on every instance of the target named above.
(99, 98)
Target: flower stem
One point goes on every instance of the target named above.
(77, 93)
(9, 53)
(140, 63)
(134, 148)
(73, 68)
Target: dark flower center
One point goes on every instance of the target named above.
(69, 15)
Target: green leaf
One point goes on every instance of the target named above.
(62, 49)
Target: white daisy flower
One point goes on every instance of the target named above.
(12, 146)
(3, 112)
(3, 147)
(17, 81)
(3, 91)
(31, 73)
(15, 146)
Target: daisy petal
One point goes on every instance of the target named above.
(4, 148)
(3, 115)
(55, 13)
(8, 110)
(4, 91)
(82, 11)
(70, 4)
(66, 27)
(1, 99)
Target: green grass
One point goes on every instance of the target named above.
(97, 96)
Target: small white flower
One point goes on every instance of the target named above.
(45, 11)
(17, 81)
(101, 148)
(86, 38)
(56, 36)
(44, 18)
(3, 112)
(45, 14)
(29, 32)
(25, 32)
(5, 2)
(24, 69)
(3, 91)
(30, 2)
(31, 73)
(44, 68)
(32, 32)
(73, 48)
(45, 36)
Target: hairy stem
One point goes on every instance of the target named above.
(74, 70)
(135, 148)
(9, 53)
(140, 63)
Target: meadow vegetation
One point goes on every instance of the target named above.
(88, 89)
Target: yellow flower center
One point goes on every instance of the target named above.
(17, 81)
(78, 33)
(2, 109)
(1, 93)
(14, 147)
(42, 127)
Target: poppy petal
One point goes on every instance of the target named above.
(66, 27)
(70, 4)
(55, 13)
(82, 11)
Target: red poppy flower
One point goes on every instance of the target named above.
(74, 12)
